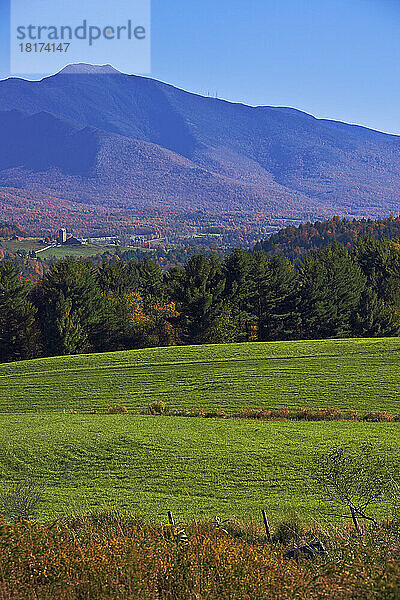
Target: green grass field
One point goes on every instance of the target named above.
(195, 467)
(348, 374)
(83, 251)
(15, 246)
(75, 251)
(58, 251)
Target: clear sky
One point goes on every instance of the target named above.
(336, 59)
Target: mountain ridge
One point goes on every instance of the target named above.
(152, 144)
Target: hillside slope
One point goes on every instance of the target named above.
(295, 242)
(105, 137)
(195, 467)
(359, 374)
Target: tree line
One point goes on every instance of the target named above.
(78, 307)
(295, 242)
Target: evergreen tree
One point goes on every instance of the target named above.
(373, 319)
(331, 287)
(275, 296)
(19, 336)
(70, 335)
(118, 277)
(150, 284)
(238, 293)
(198, 293)
(68, 298)
(380, 263)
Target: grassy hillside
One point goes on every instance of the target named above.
(196, 467)
(349, 374)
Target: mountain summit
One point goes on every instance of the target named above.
(86, 69)
(138, 143)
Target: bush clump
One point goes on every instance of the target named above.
(378, 417)
(274, 414)
(290, 530)
(157, 408)
(117, 410)
(21, 499)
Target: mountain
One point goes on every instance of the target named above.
(92, 135)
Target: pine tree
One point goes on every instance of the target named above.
(70, 335)
(69, 296)
(373, 319)
(331, 287)
(274, 296)
(150, 282)
(238, 293)
(380, 263)
(197, 290)
(118, 277)
(19, 335)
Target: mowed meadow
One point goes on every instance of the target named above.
(350, 374)
(196, 467)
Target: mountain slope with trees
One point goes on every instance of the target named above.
(295, 242)
(113, 138)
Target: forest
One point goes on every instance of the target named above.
(78, 307)
(297, 241)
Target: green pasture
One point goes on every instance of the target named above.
(359, 374)
(195, 467)
(28, 245)
(75, 251)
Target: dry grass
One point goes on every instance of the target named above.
(111, 556)
(279, 414)
(117, 410)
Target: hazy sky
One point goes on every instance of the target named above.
(336, 59)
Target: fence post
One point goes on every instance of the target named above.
(170, 518)
(266, 525)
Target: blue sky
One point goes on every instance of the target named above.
(336, 59)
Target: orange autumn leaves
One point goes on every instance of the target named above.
(141, 314)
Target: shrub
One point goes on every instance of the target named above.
(352, 415)
(221, 414)
(157, 408)
(322, 414)
(355, 478)
(21, 499)
(117, 410)
(291, 529)
(216, 414)
(378, 417)
(264, 414)
(248, 531)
